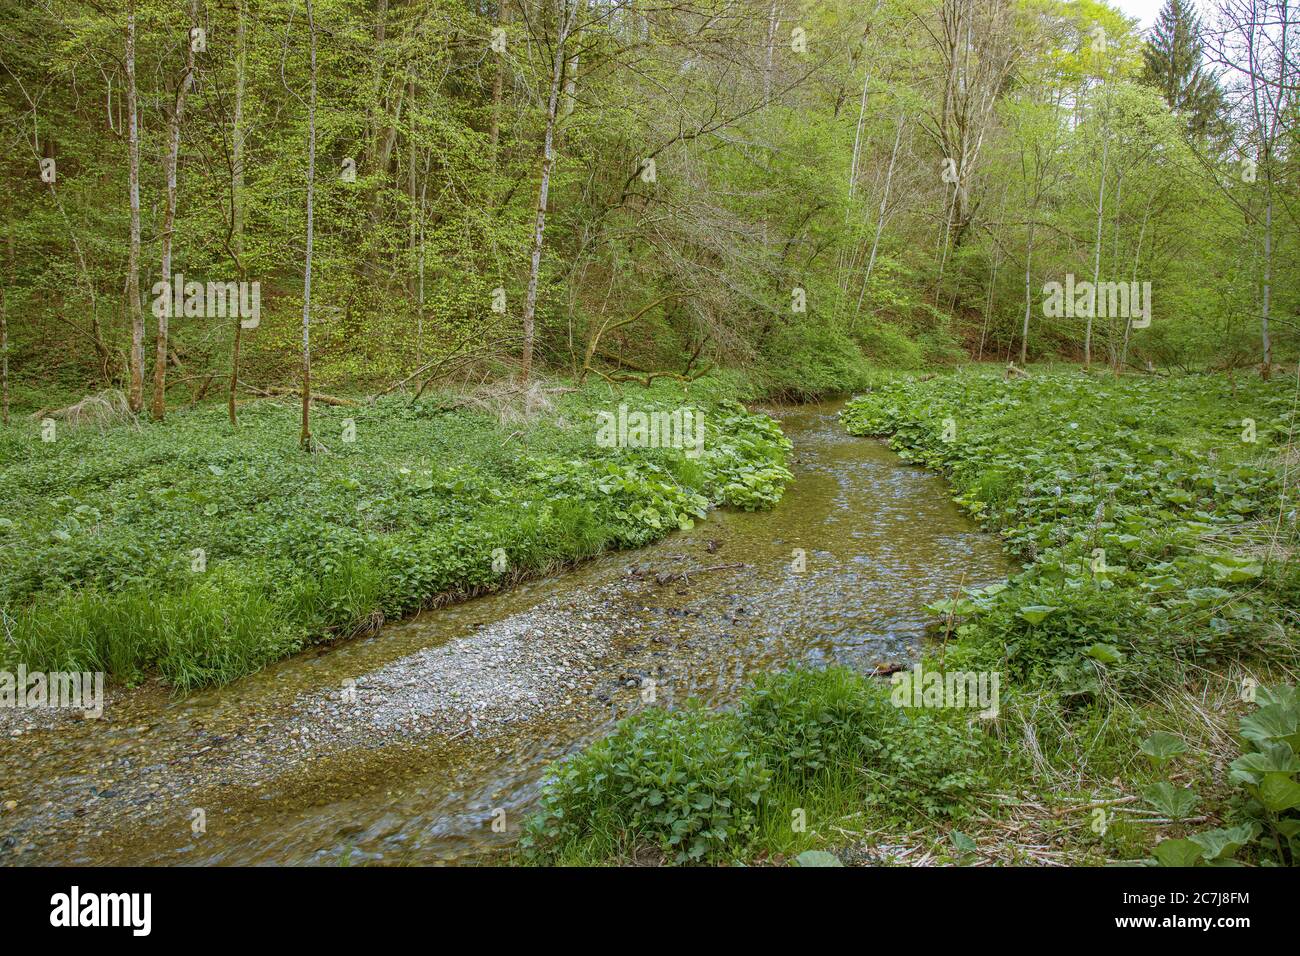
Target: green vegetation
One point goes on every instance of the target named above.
(796, 188)
(698, 786)
(1144, 516)
(683, 203)
(203, 552)
(1157, 576)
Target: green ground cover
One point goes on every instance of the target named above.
(201, 552)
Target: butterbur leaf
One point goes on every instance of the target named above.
(963, 842)
(1173, 802)
(1106, 653)
(1179, 853)
(1271, 758)
(958, 608)
(1234, 575)
(1271, 722)
(1284, 694)
(1222, 844)
(1277, 791)
(1161, 746)
(1206, 596)
(1037, 613)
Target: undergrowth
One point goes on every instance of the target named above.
(202, 552)
(1155, 521)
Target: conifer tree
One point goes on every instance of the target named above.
(1174, 64)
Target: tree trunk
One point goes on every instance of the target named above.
(1029, 261)
(4, 359)
(1137, 258)
(305, 437)
(170, 161)
(548, 162)
(494, 135)
(1266, 368)
(135, 391)
(771, 49)
(1096, 252)
(880, 221)
(237, 197)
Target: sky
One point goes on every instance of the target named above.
(1144, 10)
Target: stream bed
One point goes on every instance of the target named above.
(426, 742)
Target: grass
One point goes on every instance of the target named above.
(1156, 521)
(200, 552)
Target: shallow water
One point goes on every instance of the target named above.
(879, 539)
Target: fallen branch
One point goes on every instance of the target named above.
(1093, 806)
(278, 391)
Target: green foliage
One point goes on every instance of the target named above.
(202, 552)
(817, 858)
(682, 781)
(708, 787)
(1174, 64)
(1108, 488)
(807, 359)
(1269, 772)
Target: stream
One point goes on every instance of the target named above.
(426, 742)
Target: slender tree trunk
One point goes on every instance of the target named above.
(494, 135)
(1096, 253)
(1029, 261)
(880, 221)
(571, 72)
(4, 358)
(237, 196)
(845, 275)
(413, 237)
(548, 162)
(135, 391)
(305, 436)
(988, 304)
(170, 161)
(1266, 367)
(771, 49)
(1137, 258)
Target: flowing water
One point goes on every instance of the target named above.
(837, 573)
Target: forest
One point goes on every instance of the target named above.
(620, 406)
(407, 192)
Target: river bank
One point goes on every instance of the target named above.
(1147, 649)
(287, 768)
(199, 553)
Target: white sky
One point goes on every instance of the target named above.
(1144, 10)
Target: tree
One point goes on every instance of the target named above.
(1256, 41)
(567, 13)
(170, 161)
(305, 436)
(1174, 63)
(135, 395)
